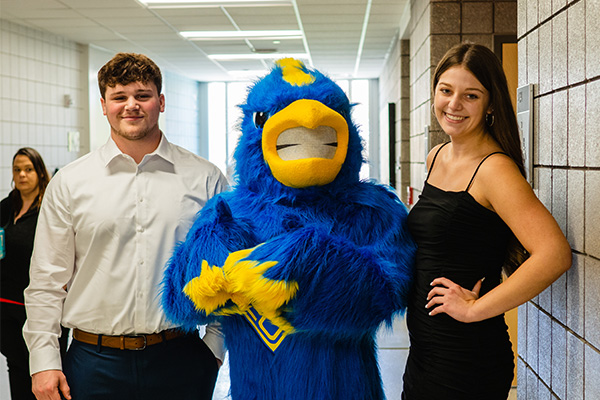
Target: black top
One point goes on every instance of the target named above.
(463, 241)
(18, 239)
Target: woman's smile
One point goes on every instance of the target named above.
(456, 118)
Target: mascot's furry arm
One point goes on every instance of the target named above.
(214, 235)
(351, 276)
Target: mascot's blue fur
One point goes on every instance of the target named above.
(325, 263)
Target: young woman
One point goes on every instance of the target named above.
(476, 215)
(19, 214)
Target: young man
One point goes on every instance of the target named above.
(107, 227)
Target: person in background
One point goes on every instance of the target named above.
(18, 217)
(475, 215)
(107, 227)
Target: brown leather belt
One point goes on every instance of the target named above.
(133, 342)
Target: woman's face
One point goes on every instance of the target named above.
(461, 102)
(24, 175)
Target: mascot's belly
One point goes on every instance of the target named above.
(266, 363)
(303, 367)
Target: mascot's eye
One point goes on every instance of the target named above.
(260, 118)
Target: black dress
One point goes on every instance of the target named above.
(463, 241)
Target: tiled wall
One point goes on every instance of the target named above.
(38, 69)
(181, 111)
(559, 331)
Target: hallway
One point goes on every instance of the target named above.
(558, 52)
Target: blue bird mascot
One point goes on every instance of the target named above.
(302, 261)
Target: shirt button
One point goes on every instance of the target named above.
(140, 229)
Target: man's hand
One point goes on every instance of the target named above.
(46, 385)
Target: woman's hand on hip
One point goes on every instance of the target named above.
(449, 298)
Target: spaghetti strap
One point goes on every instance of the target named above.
(433, 161)
(477, 169)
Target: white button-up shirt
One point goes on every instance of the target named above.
(106, 229)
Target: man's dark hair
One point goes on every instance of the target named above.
(126, 68)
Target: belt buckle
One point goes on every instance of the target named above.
(145, 342)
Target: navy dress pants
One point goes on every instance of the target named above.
(183, 368)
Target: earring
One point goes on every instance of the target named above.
(489, 119)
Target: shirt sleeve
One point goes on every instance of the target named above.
(217, 184)
(51, 269)
(215, 340)
(214, 337)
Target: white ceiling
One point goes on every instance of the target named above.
(344, 38)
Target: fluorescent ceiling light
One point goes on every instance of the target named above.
(206, 35)
(212, 3)
(256, 56)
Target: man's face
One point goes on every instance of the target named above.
(133, 110)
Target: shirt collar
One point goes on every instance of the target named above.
(110, 151)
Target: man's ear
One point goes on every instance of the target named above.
(103, 103)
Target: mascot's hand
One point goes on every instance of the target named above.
(248, 285)
(208, 291)
(212, 291)
(239, 284)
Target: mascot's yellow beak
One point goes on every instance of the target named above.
(305, 144)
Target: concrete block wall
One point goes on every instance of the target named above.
(421, 48)
(559, 331)
(394, 88)
(403, 124)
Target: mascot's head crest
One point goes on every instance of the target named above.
(294, 72)
(297, 133)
